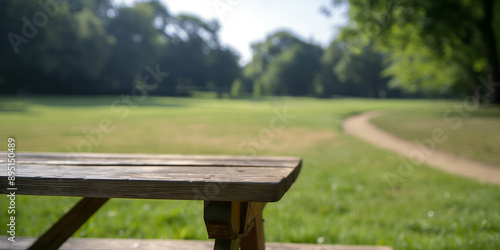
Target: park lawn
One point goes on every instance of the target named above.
(341, 195)
(471, 132)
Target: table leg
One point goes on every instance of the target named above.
(68, 224)
(235, 223)
(255, 238)
(223, 244)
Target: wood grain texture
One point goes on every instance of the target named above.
(255, 239)
(235, 220)
(181, 177)
(222, 219)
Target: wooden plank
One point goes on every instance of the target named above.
(228, 222)
(68, 224)
(222, 219)
(168, 162)
(157, 173)
(107, 156)
(225, 244)
(267, 192)
(226, 184)
(130, 244)
(220, 178)
(254, 239)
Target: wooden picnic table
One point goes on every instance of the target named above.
(235, 188)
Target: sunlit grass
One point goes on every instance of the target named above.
(340, 196)
(473, 134)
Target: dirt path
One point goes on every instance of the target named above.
(360, 126)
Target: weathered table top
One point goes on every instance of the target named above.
(180, 177)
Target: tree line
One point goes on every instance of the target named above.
(445, 47)
(400, 49)
(94, 47)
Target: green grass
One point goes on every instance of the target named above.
(341, 195)
(472, 133)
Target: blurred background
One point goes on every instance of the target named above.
(378, 49)
(213, 76)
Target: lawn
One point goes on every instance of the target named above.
(340, 197)
(473, 133)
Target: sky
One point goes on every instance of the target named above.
(244, 22)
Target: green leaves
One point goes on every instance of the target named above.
(93, 47)
(284, 65)
(433, 47)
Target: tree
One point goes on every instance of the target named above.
(292, 72)
(138, 45)
(363, 72)
(223, 68)
(196, 59)
(461, 32)
(357, 73)
(60, 45)
(265, 52)
(283, 65)
(238, 88)
(93, 47)
(330, 84)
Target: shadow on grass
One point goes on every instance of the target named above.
(13, 107)
(22, 104)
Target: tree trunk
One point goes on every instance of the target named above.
(490, 43)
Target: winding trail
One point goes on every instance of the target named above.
(360, 126)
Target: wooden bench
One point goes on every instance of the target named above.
(151, 244)
(235, 188)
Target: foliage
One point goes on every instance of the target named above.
(432, 46)
(284, 65)
(354, 74)
(138, 44)
(95, 47)
(292, 71)
(238, 88)
(63, 44)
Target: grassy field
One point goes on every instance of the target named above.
(473, 133)
(341, 195)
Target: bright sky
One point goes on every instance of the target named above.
(244, 22)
